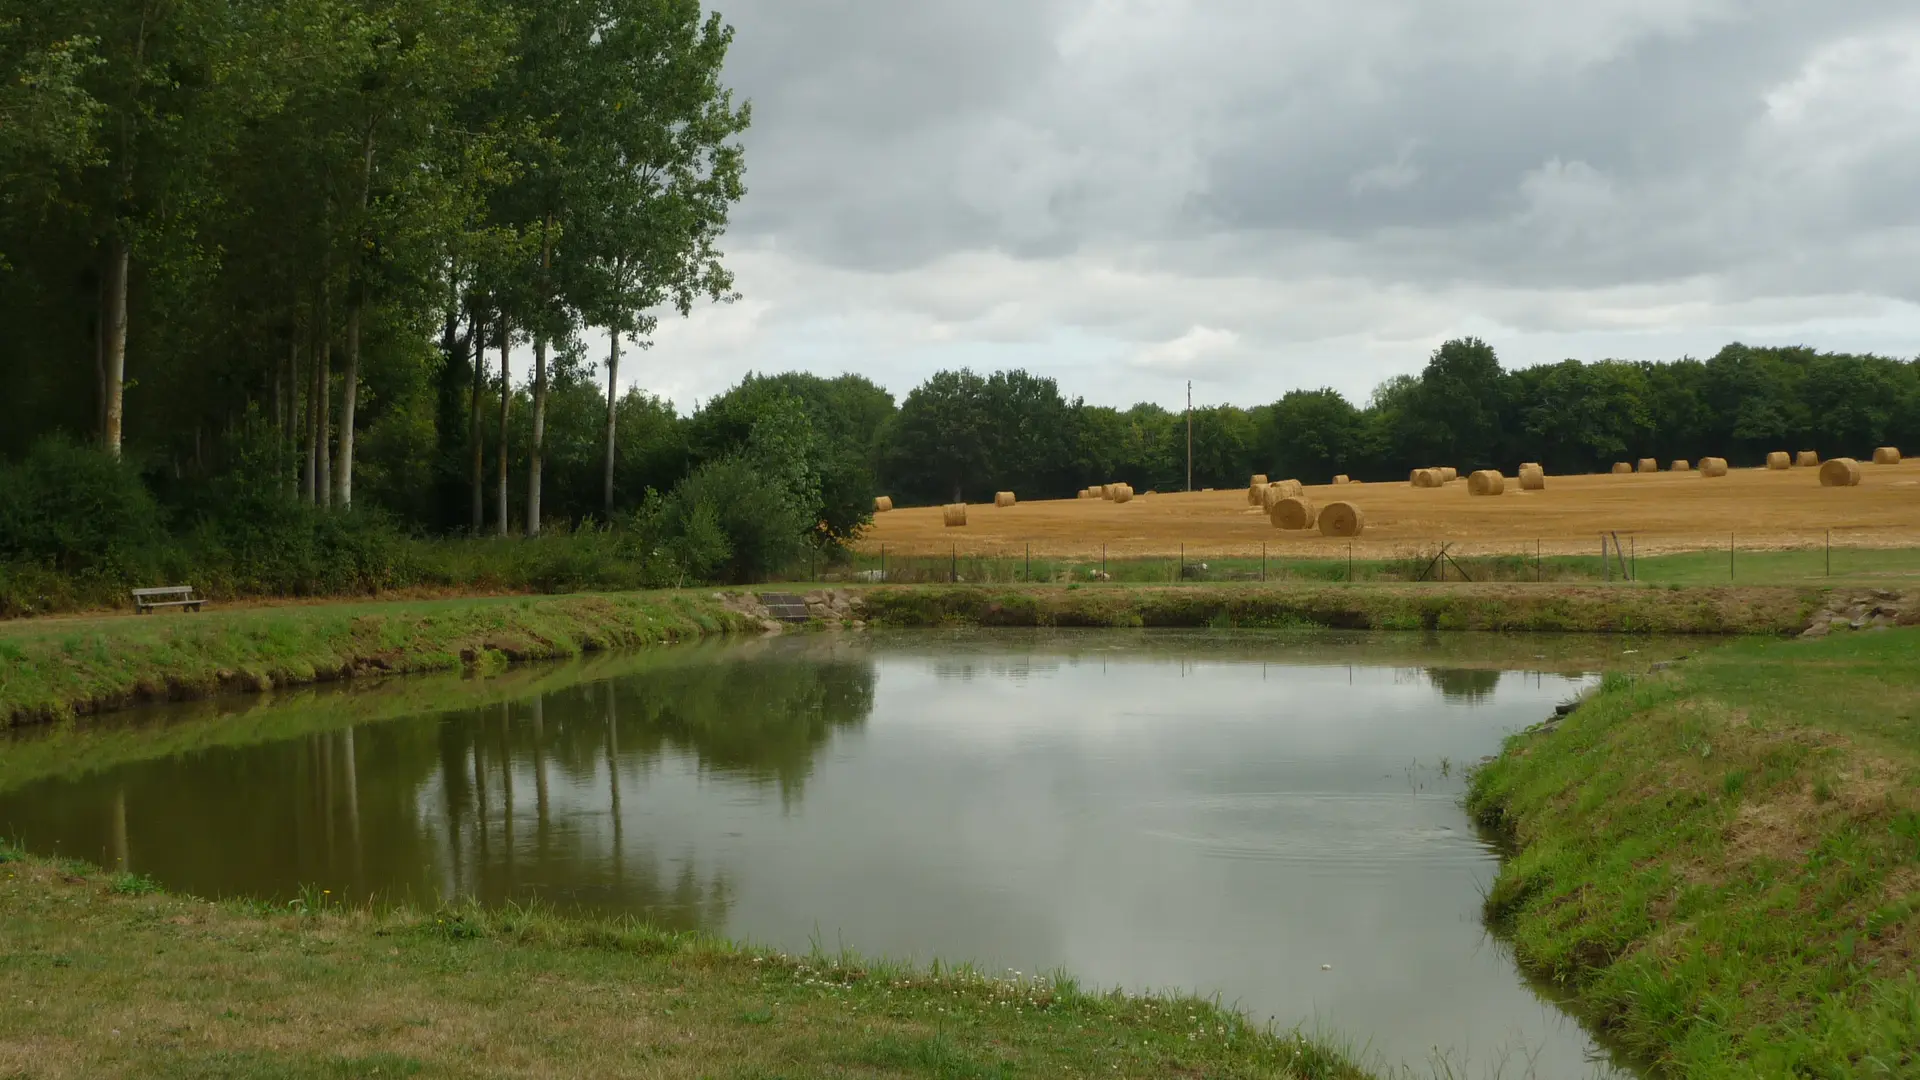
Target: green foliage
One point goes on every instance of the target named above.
(76, 508)
(727, 523)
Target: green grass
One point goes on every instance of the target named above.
(1708, 566)
(1565, 608)
(60, 667)
(66, 666)
(1722, 861)
(102, 980)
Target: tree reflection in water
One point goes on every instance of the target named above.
(551, 798)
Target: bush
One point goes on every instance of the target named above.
(77, 508)
(726, 523)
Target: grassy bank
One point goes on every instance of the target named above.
(1561, 608)
(105, 976)
(64, 667)
(1722, 861)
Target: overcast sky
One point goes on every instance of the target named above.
(1259, 195)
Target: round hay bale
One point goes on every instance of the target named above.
(1003, 499)
(1448, 474)
(1259, 478)
(1779, 461)
(1086, 493)
(1122, 493)
(1342, 520)
(1681, 465)
(1533, 479)
(1840, 472)
(882, 504)
(1713, 466)
(1486, 482)
(954, 515)
(1292, 512)
(1108, 491)
(1342, 480)
(1887, 455)
(1525, 465)
(1648, 465)
(1807, 459)
(1426, 478)
(1622, 468)
(1257, 494)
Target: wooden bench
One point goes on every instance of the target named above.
(180, 596)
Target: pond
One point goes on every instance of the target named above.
(1274, 819)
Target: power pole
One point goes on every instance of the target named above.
(1189, 434)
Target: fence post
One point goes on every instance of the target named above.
(953, 571)
(1536, 561)
(1829, 552)
(1633, 558)
(1349, 562)
(883, 564)
(1029, 562)
(1606, 567)
(1729, 556)
(1103, 560)
(1183, 562)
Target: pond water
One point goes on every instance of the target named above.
(1271, 819)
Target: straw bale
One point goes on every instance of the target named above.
(955, 515)
(1713, 466)
(1003, 499)
(1486, 482)
(1887, 455)
(1779, 461)
(1840, 472)
(1292, 512)
(1342, 520)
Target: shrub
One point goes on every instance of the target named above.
(726, 523)
(76, 507)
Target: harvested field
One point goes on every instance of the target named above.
(1666, 512)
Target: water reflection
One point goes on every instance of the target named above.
(1220, 813)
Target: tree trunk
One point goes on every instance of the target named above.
(115, 348)
(310, 423)
(100, 359)
(538, 445)
(350, 378)
(479, 477)
(506, 397)
(349, 397)
(613, 381)
(323, 468)
(290, 415)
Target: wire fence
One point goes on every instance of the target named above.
(1622, 557)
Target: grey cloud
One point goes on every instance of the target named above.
(1262, 195)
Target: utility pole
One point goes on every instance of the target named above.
(1189, 434)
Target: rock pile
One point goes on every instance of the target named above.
(1873, 609)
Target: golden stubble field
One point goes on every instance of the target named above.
(1662, 512)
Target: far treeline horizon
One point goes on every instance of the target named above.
(273, 251)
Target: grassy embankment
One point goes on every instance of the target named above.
(1585, 609)
(62, 667)
(1843, 566)
(104, 976)
(1722, 861)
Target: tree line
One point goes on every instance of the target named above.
(323, 218)
(270, 262)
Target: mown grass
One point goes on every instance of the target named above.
(1585, 609)
(55, 668)
(103, 978)
(1722, 861)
